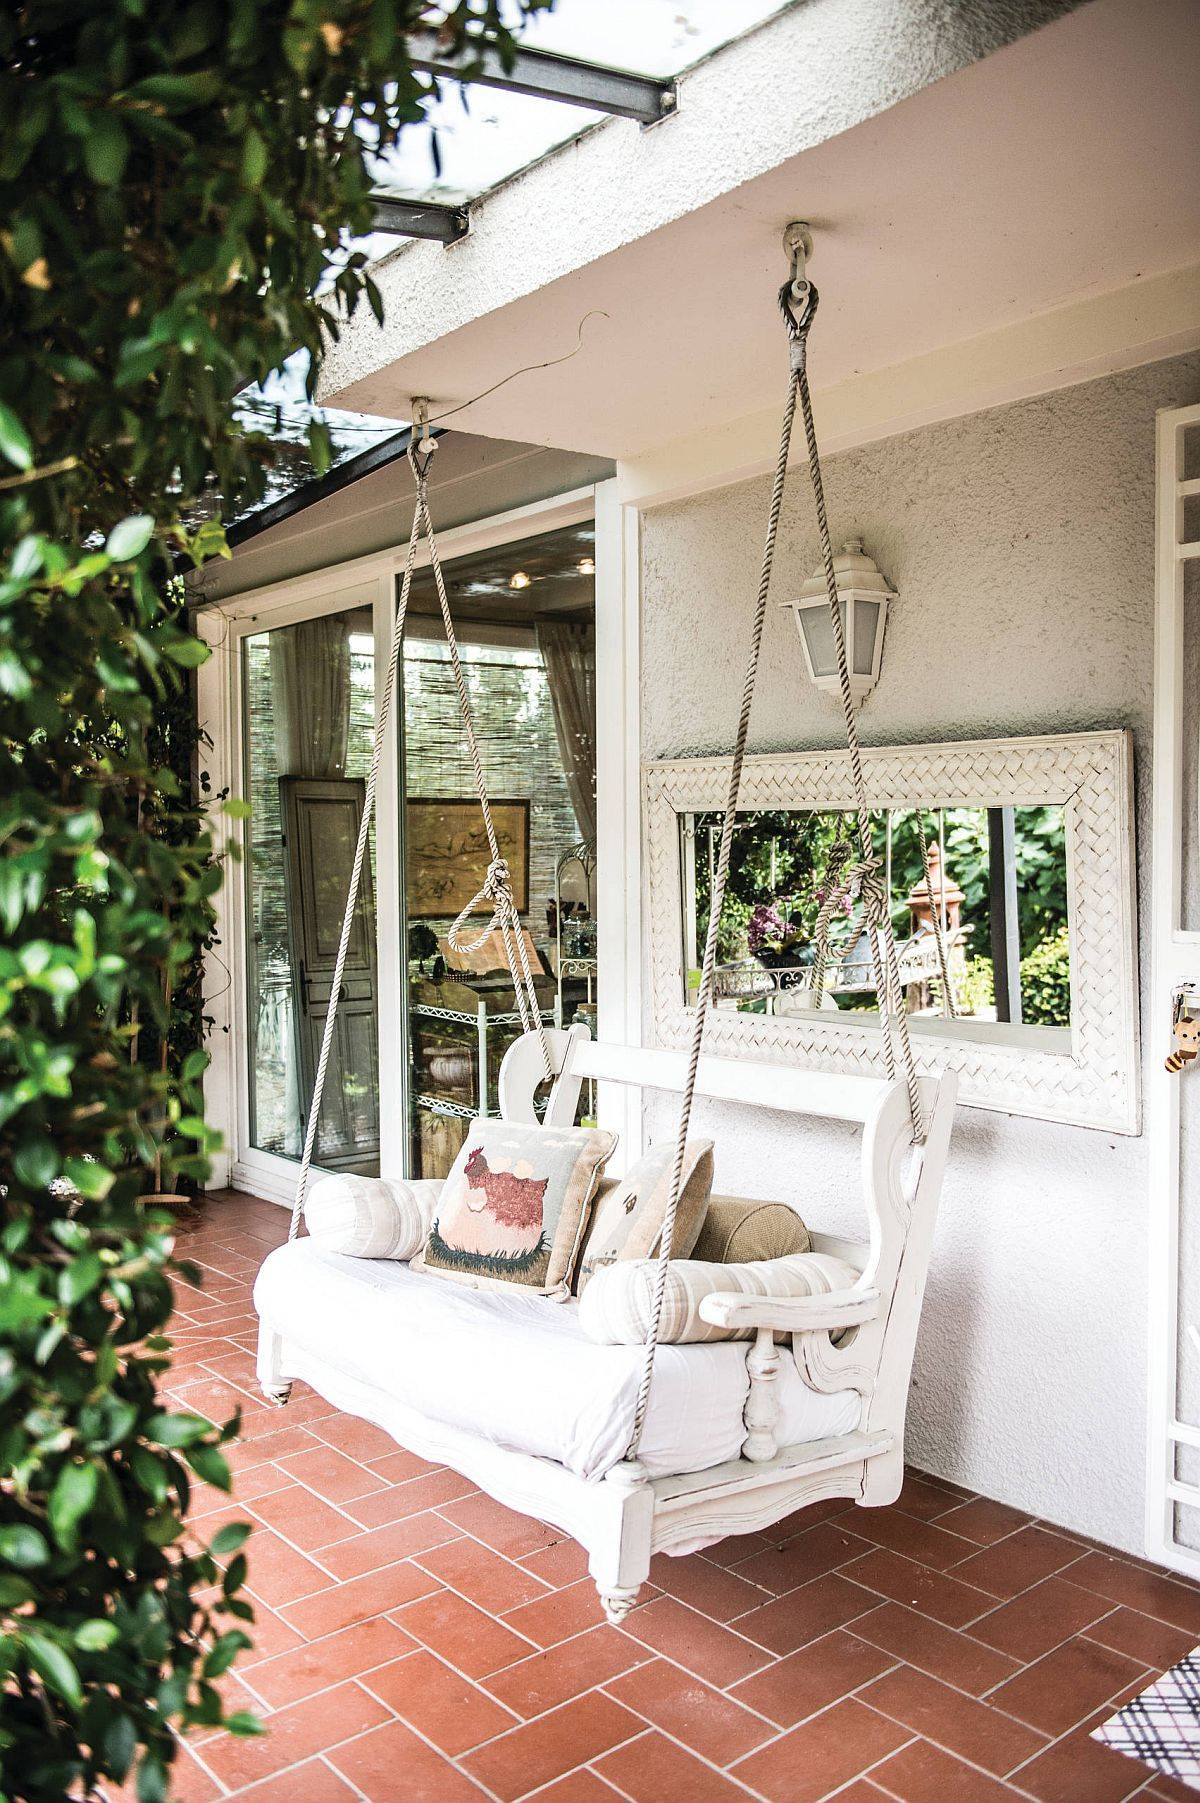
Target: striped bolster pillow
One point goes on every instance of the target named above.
(371, 1217)
(615, 1307)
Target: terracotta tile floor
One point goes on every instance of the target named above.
(417, 1641)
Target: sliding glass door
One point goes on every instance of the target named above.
(309, 712)
(525, 618)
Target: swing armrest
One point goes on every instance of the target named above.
(831, 1313)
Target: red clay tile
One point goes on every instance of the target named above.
(558, 1614)
(741, 1546)
(392, 1756)
(700, 1645)
(974, 1731)
(1013, 1565)
(462, 1634)
(269, 1632)
(358, 1439)
(412, 1497)
(920, 1773)
(546, 1679)
(819, 1674)
(1152, 1593)
(802, 1615)
(942, 1652)
(398, 1465)
(931, 1592)
(983, 1520)
(687, 1709)
(1068, 1684)
(702, 1585)
(304, 1519)
(332, 1475)
(249, 1454)
(312, 1782)
(288, 1677)
(439, 1703)
(369, 1549)
(924, 1497)
(1078, 1769)
(502, 1529)
(482, 1576)
(810, 1555)
(566, 1562)
(552, 1745)
(924, 1541)
(654, 1769)
(303, 1729)
(582, 1786)
(1141, 1637)
(821, 1754)
(278, 1572)
(1039, 1619)
(359, 1600)
(190, 1783)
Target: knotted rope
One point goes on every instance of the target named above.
(497, 885)
(883, 950)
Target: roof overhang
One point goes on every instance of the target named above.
(987, 225)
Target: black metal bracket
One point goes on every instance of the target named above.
(548, 76)
(420, 219)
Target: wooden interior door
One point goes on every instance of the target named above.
(321, 818)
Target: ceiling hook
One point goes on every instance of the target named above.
(422, 443)
(798, 247)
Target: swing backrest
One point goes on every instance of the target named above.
(900, 1189)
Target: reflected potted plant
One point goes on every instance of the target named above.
(777, 943)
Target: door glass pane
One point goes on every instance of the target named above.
(309, 708)
(525, 618)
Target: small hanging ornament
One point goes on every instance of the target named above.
(1185, 1029)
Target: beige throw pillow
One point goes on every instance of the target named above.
(513, 1206)
(615, 1308)
(737, 1231)
(627, 1221)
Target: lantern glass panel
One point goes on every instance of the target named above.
(817, 627)
(866, 625)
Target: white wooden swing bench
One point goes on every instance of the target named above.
(491, 1384)
(628, 1515)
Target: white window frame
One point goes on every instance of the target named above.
(1175, 959)
(226, 623)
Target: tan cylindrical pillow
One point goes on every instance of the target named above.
(737, 1231)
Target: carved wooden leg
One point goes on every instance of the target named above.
(620, 1549)
(274, 1385)
(762, 1404)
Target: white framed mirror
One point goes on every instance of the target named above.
(1016, 937)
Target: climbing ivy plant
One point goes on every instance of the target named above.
(175, 180)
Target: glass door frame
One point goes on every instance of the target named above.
(373, 580)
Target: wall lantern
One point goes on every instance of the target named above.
(863, 596)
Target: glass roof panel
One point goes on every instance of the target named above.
(484, 135)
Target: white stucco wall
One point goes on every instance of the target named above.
(1021, 543)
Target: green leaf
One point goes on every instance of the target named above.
(54, 1666)
(23, 1546)
(95, 1636)
(188, 653)
(129, 537)
(151, 1779)
(243, 1723)
(176, 1430)
(105, 149)
(229, 1538)
(211, 1466)
(72, 1496)
(15, 443)
(80, 1278)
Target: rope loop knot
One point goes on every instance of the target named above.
(495, 888)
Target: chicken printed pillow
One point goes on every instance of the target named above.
(513, 1207)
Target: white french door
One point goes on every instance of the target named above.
(1173, 1519)
(245, 978)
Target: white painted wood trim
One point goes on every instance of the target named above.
(1094, 1083)
(618, 804)
(839, 1098)
(1175, 958)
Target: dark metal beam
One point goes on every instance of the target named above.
(420, 219)
(1003, 911)
(548, 76)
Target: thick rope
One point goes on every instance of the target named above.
(887, 986)
(497, 886)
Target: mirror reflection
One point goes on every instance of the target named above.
(980, 922)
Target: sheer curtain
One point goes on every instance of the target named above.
(310, 684)
(569, 654)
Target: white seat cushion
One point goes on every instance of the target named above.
(518, 1370)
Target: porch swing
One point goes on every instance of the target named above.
(794, 1387)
